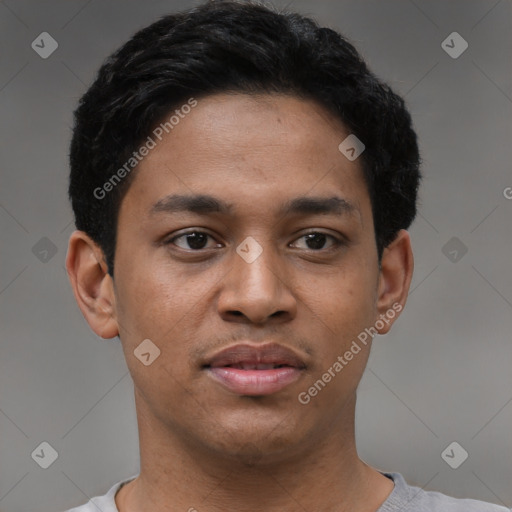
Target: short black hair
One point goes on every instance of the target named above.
(244, 47)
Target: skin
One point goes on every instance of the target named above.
(201, 445)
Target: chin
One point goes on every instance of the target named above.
(256, 440)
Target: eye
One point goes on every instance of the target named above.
(192, 240)
(316, 240)
(198, 240)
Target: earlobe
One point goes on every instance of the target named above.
(396, 271)
(92, 285)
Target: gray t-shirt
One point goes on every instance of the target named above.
(403, 498)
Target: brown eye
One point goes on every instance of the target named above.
(192, 240)
(317, 240)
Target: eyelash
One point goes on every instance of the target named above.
(337, 242)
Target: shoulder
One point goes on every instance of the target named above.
(407, 498)
(105, 503)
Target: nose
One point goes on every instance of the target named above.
(257, 292)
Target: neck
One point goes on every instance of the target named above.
(178, 475)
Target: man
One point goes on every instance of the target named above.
(242, 185)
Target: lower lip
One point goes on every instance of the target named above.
(255, 382)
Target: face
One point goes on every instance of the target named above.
(253, 293)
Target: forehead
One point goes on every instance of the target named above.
(250, 150)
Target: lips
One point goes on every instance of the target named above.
(252, 370)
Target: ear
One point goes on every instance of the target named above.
(92, 285)
(395, 277)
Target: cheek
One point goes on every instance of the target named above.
(347, 301)
(162, 303)
(347, 311)
(354, 310)
(145, 306)
(150, 308)
(143, 284)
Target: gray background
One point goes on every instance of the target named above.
(442, 374)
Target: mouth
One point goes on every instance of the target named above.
(251, 370)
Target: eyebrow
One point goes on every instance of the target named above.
(203, 204)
